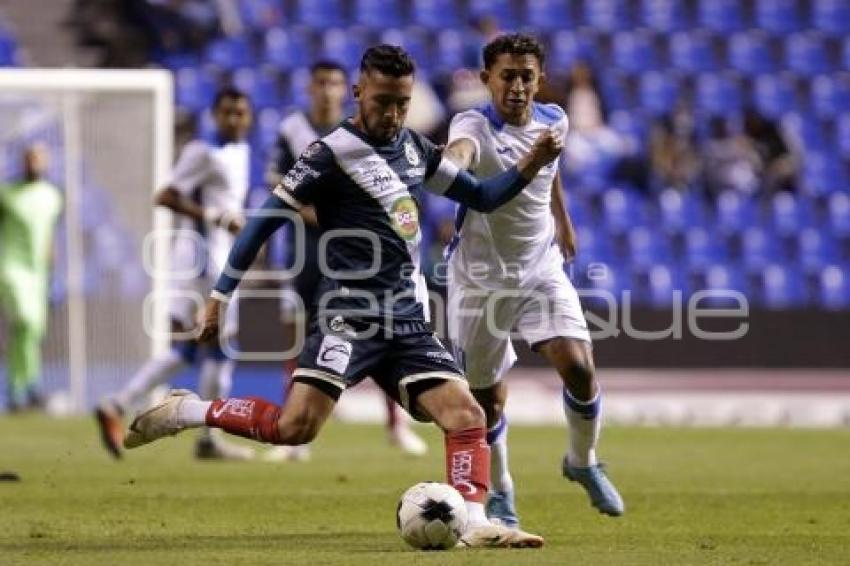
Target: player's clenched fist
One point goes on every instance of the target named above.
(208, 323)
(546, 149)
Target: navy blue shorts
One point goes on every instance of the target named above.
(404, 364)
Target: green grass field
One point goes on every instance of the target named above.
(693, 497)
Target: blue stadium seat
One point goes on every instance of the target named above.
(845, 54)
(631, 126)
(823, 173)
(789, 214)
(622, 210)
(774, 95)
(839, 214)
(834, 287)
(607, 15)
(567, 47)
(815, 250)
(261, 14)
(344, 46)
(230, 53)
(663, 15)
(435, 14)
(657, 92)
(268, 125)
(830, 96)
(663, 283)
(173, 61)
(593, 247)
(194, 88)
(703, 248)
(449, 54)
(759, 248)
(287, 48)
(607, 285)
(615, 91)
(634, 51)
(831, 16)
(782, 288)
(501, 10)
(718, 94)
(379, 14)
(806, 54)
(778, 16)
(415, 41)
(750, 52)
(299, 81)
(548, 15)
(735, 212)
(680, 210)
(722, 280)
(721, 16)
(647, 247)
(693, 51)
(320, 13)
(842, 135)
(261, 87)
(806, 130)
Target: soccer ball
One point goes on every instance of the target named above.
(431, 516)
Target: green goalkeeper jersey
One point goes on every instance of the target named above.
(28, 214)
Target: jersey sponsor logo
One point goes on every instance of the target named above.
(440, 355)
(295, 176)
(334, 353)
(411, 154)
(405, 217)
(415, 172)
(311, 150)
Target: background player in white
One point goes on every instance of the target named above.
(327, 90)
(207, 191)
(508, 259)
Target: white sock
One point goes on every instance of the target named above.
(584, 419)
(192, 413)
(500, 475)
(475, 515)
(155, 372)
(215, 381)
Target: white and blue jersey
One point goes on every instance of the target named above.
(512, 240)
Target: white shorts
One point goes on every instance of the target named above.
(481, 320)
(186, 297)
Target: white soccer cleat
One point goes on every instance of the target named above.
(498, 536)
(408, 441)
(300, 453)
(158, 421)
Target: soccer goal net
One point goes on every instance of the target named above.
(110, 136)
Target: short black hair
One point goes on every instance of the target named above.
(228, 93)
(514, 44)
(327, 65)
(390, 60)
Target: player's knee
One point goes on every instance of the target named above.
(466, 415)
(579, 372)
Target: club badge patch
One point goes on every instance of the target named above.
(411, 154)
(405, 217)
(334, 353)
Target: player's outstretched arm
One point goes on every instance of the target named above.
(489, 194)
(248, 243)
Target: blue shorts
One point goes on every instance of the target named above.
(404, 362)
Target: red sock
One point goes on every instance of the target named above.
(468, 463)
(253, 418)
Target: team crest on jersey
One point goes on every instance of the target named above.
(405, 217)
(411, 154)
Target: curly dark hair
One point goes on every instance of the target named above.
(514, 44)
(390, 60)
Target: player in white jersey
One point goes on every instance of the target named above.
(327, 90)
(506, 274)
(207, 192)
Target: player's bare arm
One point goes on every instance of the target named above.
(564, 231)
(171, 199)
(461, 152)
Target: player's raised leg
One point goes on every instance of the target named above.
(216, 378)
(296, 423)
(574, 362)
(455, 410)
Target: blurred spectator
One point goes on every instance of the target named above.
(729, 160)
(779, 164)
(673, 154)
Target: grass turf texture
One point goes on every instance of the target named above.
(692, 496)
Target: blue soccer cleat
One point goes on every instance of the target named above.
(501, 509)
(603, 495)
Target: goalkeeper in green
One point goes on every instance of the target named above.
(28, 212)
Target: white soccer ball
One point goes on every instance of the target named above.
(431, 516)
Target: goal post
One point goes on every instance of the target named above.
(110, 136)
